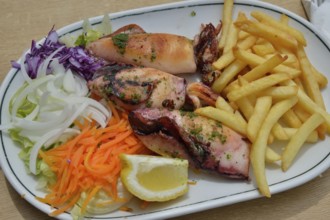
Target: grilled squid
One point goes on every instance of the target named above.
(205, 143)
(134, 87)
(166, 52)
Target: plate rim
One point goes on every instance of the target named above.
(189, 208)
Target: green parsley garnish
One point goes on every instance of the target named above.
(120, 40)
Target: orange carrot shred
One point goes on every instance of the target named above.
(144, 204)
(90, 162)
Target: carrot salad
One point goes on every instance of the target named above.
(89, 162)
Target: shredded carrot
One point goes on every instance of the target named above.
(90, 162)
(144, 204)
(126, 209)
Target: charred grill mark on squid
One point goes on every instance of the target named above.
(133, 87)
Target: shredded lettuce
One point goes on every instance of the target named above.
(87, 37)
(91, 34)
(44, 174)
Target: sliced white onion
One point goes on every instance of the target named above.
(69, 83)
(23, 123)
(90, 102)
(96, 115)
(33, 114)
(41, 142)
(81, 86)
(42, 70)
(55, 138)
(30, 88)
(60, 99)
(57, 68)
(37, 146)
(23, 69)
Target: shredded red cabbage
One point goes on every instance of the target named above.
(74, 58)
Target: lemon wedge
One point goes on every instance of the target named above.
(154, 178)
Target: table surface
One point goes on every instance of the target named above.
(22, 21)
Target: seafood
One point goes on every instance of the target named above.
(207, 51)
(207, 144)
(133, 87)
(167, 52)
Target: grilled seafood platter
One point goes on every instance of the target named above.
(143, 77)
(87, 106)
(130, 73)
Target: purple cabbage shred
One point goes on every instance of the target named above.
(74, 58)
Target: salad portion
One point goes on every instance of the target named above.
(70, 140)
(54, 95)
(76, 142)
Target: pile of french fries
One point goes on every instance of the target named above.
(269, 89)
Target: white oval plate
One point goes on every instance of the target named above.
(210, 191)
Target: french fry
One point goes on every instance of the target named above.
(299, 138)
(232, 38)
(263, 49)
(271, 139)
(312, 138)
(310, 83)
(270, 89)
(312, 108)
(261, 41)
(224, 60)
(240, 116)
(268, 20)
(226, 20)
(301, 113)
(257, 86)
(247, 42)
(258, 149)
(222, 104)
(242, 35)
(291, 61)
(228, 57)
(320, 78)
(299, 83)
(292, 119)
(263, 105)
(227, 75)
(270, 33)
(271, 155)
(279, 132)
(241, 17)
(284, 19)
(259, 71)
(227, 118)
(242, 82)
(255, 60)
(281, 92)
(246, 107)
